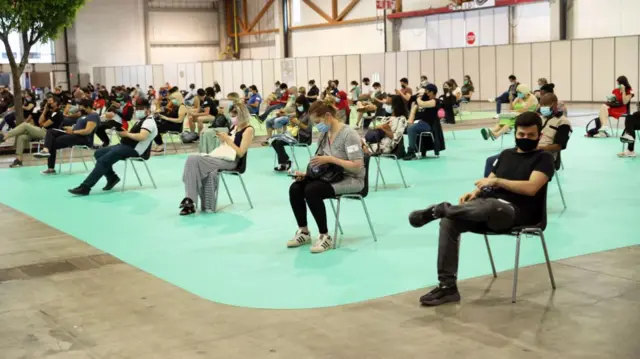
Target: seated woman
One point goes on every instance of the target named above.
(448, 102)
(171, 121)
(525, 101)
(209, 140)
(340, 146)
(281, 119)
(298, 131)
(631, 125)
(207, 109)
(424, 118)
(201, 172)
(541, 83)
(388, 135)
(455, 90)
(467, 89)
(615, 107)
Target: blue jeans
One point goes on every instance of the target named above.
(105, 159)
(277, 122)
(504, 98)
(271, 109)
(413, 131)
(488, 165)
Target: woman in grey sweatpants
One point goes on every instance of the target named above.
(201, 172)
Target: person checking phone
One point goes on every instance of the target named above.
(80, 134)
(133, 143)
(339, 150)
(512, 195)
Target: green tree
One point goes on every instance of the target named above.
(34, 21)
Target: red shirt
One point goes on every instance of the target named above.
(285, 97)
(99, 103)
(616, 112)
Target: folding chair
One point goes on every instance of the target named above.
(37, 143)
(397, 155)
(433, 140)
(538, 231)
(171, 135)
(242, 167)
(132, 160)
(84, 162)
(302, 145)
(360, 196)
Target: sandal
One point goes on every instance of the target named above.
(188, 207)
(186, 202)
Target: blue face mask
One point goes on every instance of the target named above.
(322, 127)
(546, 111)
(520, 95)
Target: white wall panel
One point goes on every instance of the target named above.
(441, 58)
(217, 72)
(133, 76)
(504, 67)
(353, 68)
(301, 72)
(226, 82)
(372, 67)
(171, 74)
(237, 77)
(313, 70)
(179, 27)
(288, 67)
(390, 80)
(337, 40)
(190, 75)
(541, 65)
(171, 54)
(472, 68)
(158, 76)
(500, 25)
(268, 77)
(427, 65)
(402, 68)
(207, 74)
(142, 78)
(326, 71)
(581, 70)
(433, 26)
(472, 24)
(110, 77)
(277, 70)
(627, 60)
(522, 63)
(257, 74)
(247, 73)
(487, 80)
(561, 68)
(199, 78)
(413, 34)
(413, 72)
(458, 30)
(182, 76)
(445, 36)
(456, 65)
(536, 17)
(118, 80)
(148, 76)
(589, 18)
(604, 74)
(340, 72)
(486, 35)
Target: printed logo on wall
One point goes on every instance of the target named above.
(472, 4)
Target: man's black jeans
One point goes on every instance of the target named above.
(105, 159)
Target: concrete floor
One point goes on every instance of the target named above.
(63, 299)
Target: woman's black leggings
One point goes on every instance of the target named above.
(164, 127)
(279, 147)
(631, 125)
(313, 193)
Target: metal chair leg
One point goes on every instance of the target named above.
(493, 266)
(546, 258)
(308, 151)
(135, 171)
(84, 161)
(173, 144)
(149, 173)
(70, 159)
(293, 154)
(561, 193)
(515, 270)
(124, 177)
(401, 173)
(366, 212)
(335, 214)
(335, 232)
(379, 173)
(225, 186)
(245, 191)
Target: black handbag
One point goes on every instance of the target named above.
(329, 172)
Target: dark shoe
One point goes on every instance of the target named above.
(1, 137)
(283, 167)
(188, 209)
(80, 191)
(16, 163)
(111, 183)
(424, 216)
(410, 156)
(265, 143)
(186, 202)
(484, 133)
(440, 295)
(41, 155)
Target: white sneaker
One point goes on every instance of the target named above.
(299, 239)
(324, 243)
(603, 129)
(496, 116)
(627, 138)
(492, 100)
(601, 135)
(627, 153)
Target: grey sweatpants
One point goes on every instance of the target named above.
(200, 179)
(479, 214)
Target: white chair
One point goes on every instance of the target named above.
(132, 160)
(172, 135)
(83, 148)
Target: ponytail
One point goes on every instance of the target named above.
(322, 107)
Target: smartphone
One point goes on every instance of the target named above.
(59, 130)
(292, 175)
(221, 129)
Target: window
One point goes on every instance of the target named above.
(42, 52)
(296, 15)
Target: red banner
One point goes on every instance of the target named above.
(385, 4)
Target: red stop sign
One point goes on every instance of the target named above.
(471, 38)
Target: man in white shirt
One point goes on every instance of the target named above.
(366, 90)
(133, 143)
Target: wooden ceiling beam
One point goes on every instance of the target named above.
(245, 12)
(334, 23)
(260, 15)
(318, 10)
(334, 9)
(242, 24)
(347, 10)
(258, 32)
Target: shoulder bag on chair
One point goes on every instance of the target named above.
(224, 152)
(329, 172)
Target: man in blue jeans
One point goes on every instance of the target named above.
(133, 143)
(507, 96)
(425, 108)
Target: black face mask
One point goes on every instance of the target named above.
(526, 144)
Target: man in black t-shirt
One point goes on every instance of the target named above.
(313, 92)
(513, 195)
(24, 133)
(207, 112)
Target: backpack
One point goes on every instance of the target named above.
(189, 137)
(593, 131)
(220, 122)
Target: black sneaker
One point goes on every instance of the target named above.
(111, 183)
(440, 295)
(484, 133)
(424, 216)
(410, 156)
(16, 163)
(80, 191)
(283, 167)
(42, 154)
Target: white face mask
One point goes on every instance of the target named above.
(337, 100)
(387, 108)
(301, 108)
(140, 114)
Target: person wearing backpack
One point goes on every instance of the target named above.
(134, 143)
